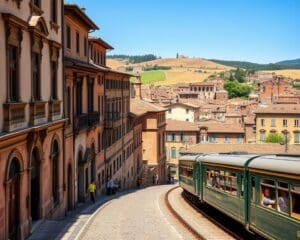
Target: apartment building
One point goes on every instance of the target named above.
(180, 135)
(153, 123)
(31, 115)
(281, 119)
(183, 111)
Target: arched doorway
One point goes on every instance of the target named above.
(55, 173)
(80, 178)
(35, 185)
(13, 189)
(93, 162)
(70, 188)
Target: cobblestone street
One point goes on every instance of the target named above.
(137, 215)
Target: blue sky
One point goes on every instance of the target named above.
(252, 30)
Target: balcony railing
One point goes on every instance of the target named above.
(81, 122)
(93, 118)
(110, 118)
(54, 110)
(37, 113)
(14, 116)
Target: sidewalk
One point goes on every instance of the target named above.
(70, 226)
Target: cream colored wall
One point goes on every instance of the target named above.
(279, 124)
(24, 13)
(179, 113)
(150, 146)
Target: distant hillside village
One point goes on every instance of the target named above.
(201, 118)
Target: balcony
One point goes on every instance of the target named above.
(93, 119)
(14, 116)
(110, 118)
(54, 110)
(81, 122)
(37, 113)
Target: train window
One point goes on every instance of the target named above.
(231, 183)
(242, 186)
(253, 189)
(295, 190)
(283, 197)
(213, 178)
(209, 174)
(268, 197)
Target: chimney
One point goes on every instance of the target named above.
(137, 85)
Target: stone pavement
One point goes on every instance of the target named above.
(70, 226)
(138, 215)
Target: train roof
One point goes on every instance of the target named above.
(190, 157)
(277, 163)
(238, 160)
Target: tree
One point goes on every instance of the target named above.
(236, 89)
(275, 138)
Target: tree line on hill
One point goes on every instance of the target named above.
(134, 58)
(289, 64)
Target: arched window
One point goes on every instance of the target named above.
(14, 168)
(55, 174)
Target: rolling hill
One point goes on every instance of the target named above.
(182, 70)
(288, 64)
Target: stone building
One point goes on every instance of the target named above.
(152, 122)
(180, 135)
(283, 119)
(82, 128)
(183, 111)
(31, 116)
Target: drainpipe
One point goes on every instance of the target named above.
(64, 99)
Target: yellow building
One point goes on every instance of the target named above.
(278, 118)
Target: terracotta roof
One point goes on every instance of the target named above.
(249, 120)
(140, 107)
(187, 104)
(279, 109)
(221, 127)
(101, 42)
(80, 14)
(263, 148)
(176, 125)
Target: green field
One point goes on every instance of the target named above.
(150, 77)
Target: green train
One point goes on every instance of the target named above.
(260, 191)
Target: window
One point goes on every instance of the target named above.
(226, 139)
(296, 137)
(262, 122)
(253, 189)
(13, 74)
(36, 3)
(54, 11)
(54, 80)
(283, 198)
(295, 195)
(85, 46)
(186, 170)
(181, 137)
(79, 98)
(173, 137)
(273, 122)
(262, 136)
(212, 139)
(239, 139)
(187, 120)
(225, 181)
(268, 196)
(91, 95)
(68, 29)
(187, 111)
(77, 42)
(36, 81)
(285, 122)
(297, 123)
(173, 152)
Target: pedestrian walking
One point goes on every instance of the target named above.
(92, 190)
(156, 178)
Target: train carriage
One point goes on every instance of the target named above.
(274, 196)
(223, 183)
(189, 172)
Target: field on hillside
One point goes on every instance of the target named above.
(182, 70)
(151, 77)
(290, 73)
